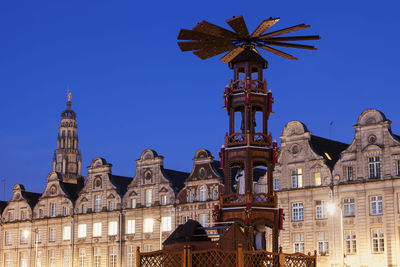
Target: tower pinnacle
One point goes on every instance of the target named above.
(67, 157)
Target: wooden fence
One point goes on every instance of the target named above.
(221, 258)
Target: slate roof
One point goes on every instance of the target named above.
(3, 204)
(31, 197)
(333, 148)
(177, 178)
(216, 165)
(71, 189)
(121, 182)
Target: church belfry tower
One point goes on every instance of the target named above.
(67, 157)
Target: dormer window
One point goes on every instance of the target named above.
(97, 203)
(203, 193)
(111, 205)
(148, 196)
(215, 193)
(53, 209)
(10, 216)
(23, 215)
(191, 196)
(374, 166)
(297, 178)
(164, 200)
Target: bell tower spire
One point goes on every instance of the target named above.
(67, 158)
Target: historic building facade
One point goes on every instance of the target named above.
(101, 219)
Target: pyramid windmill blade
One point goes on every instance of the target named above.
(286, 30)
(295, 38)
(239, 26)
(264, 25)
(231, 55)
(310, 47)
(194, 35)
(210, 52)
(277, 52)
(209, 28)
(196, 45)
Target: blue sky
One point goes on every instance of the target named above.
(133, 89)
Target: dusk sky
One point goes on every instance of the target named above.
(133, 89)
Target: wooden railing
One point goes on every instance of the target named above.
(255, 86)
(218, 257)
(235, 200)
(249, 139)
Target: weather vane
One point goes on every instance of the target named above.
(69, 95)
(208, 40)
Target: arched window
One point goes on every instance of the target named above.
(203, 193)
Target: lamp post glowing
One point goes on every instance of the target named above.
(331, 207)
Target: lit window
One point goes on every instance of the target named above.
(10, 216)
(52, 258)
(378, 240)
(111, 205)
(112, 257)
(131, 256)
(130, 227)
(97, 203)
(97, 229)
(39, 236)
(8, 260)
(96, 257)
(191, 196)
(148, 225)
(320, 208)
(203, 219)
(349, 172)
(24, 236)
(133, 203)
(84, 209)
(349, 207)
(66, 258)
(298, 240)
(67, 233)
(112, 228)
(215, 194)
(323, 244)
(297, 211)
(297, 178)
(82, 257)
(81, 230)
(8, 239)
(147, 248)
(374, 167)
(350, 242)
(163, 200)
(24, 259)
(39, 259)
(23, 215)
(276, 184)
(53, 210)
(203, 193)
(52, 234)
(376, 205)
(148, 194)
(317, 178)
(166, 224)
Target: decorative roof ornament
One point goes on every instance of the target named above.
(207, 40)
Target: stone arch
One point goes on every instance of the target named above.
(96, 162)
(148, 154)
(370, 117)
(294, 128)
(202, 154)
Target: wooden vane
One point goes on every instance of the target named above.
(207, 40)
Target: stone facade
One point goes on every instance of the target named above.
(101, 219)
(358, 183)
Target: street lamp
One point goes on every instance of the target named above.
(331, 207)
